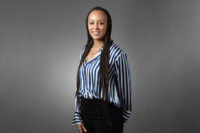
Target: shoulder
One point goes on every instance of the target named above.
(116, 51)
(82, 50)
(83, 47)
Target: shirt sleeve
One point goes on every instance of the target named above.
(124, 84)
(77, 118)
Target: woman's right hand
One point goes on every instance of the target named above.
(81, 127)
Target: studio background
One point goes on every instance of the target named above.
(40, 44)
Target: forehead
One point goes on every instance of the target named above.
(97, 15)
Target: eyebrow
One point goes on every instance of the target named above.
(98, 20)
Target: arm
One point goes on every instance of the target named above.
(124, 84)
(77, 118)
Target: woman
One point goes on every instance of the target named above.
(103, 96)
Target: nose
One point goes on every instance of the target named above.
(96, 26)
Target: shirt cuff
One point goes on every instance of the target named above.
(77, 119)
(126, 115)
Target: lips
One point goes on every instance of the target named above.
(96, 32)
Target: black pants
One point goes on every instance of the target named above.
(94, 120)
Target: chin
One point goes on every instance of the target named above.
(97, 38)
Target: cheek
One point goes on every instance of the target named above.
(90, 29)
(104, 29)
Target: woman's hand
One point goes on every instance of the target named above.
(81, 128)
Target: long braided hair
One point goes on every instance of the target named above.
(104, 59)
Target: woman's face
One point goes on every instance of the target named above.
(97, 24)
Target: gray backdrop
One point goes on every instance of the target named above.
(40, 43)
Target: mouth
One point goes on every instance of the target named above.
(96, 32)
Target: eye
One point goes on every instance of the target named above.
(101, 23)
(91, 23)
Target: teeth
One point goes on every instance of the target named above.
(96, 32)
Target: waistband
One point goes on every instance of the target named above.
(97, 102)
(95, 108)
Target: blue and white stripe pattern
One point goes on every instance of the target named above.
(119, 85)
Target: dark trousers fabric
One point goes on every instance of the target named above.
(94, 120)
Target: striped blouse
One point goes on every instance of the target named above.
(119, 84)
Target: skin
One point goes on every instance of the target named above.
(97, 21)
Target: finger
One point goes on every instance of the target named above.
(84, 129)
(79, 128)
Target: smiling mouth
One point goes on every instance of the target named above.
(96, 32)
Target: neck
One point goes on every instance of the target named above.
(97, 43)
